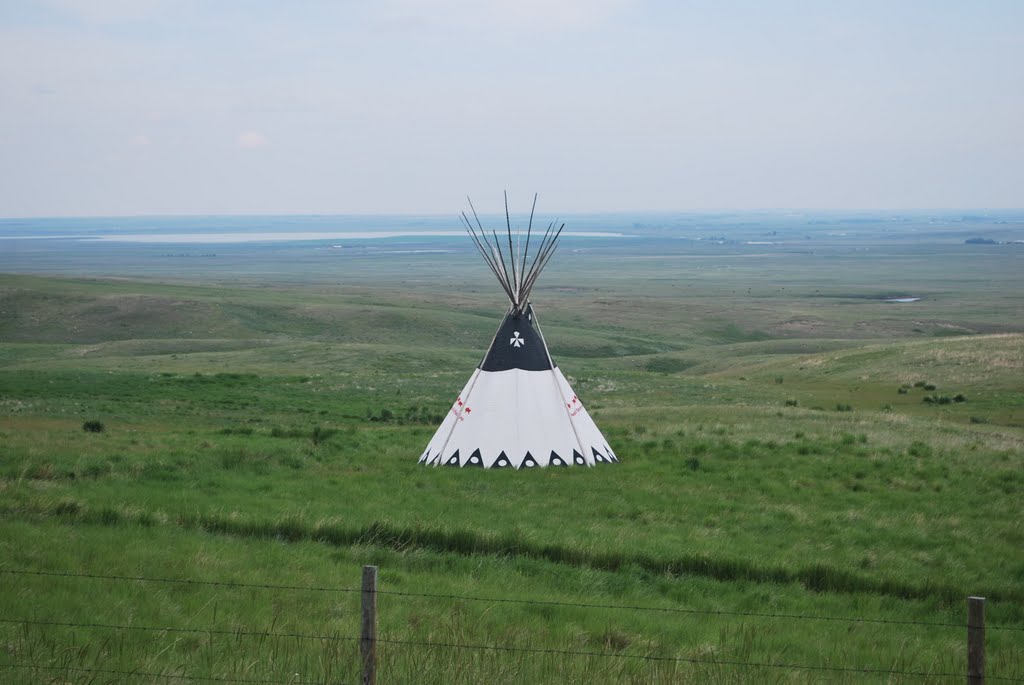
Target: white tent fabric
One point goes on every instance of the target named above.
(519, 419)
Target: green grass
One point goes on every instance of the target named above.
(269, 435)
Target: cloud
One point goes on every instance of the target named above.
(141, 140)
(250, 140)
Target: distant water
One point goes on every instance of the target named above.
(267, 237)
(264, 246)
(902, 299)
(255, 229)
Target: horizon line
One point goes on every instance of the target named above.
(703, 211)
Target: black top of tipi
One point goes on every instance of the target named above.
(517, 345)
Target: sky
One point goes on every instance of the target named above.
(146, 107)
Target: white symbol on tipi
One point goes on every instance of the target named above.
(516, 341)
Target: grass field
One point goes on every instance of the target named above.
(260, 434)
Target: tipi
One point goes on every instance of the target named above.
(517, 410)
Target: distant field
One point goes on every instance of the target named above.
(791, 444)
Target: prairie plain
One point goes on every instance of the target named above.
(813, 477)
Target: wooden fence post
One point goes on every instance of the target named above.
(368, 632)
(975, 641)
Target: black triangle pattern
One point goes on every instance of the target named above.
(502, 462)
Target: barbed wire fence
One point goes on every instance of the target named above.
(368, 639)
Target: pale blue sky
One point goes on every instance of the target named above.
(114, 107)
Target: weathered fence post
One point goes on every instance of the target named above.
(368, 632)
(975, 641)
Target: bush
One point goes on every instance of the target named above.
(791, 403)
(844, 407)
(67, 507)
(979, 419)
(902, 390)
(320, 434)
(929, 386)
(959, 397)
(920, 384)
(919, 449)
(93, 427)
(693, 463)
(384, 416)
(278, 432)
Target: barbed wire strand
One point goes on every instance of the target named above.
(167, 629)
(150, 674)
(513, 649)
(507, 600)
(692, 660)
(182, 581)
(674, 610)
(688, 659)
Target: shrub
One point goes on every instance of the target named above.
(928, 399)
(291, 461)
(979, 419)
(320, 434)
(902, 390)
(93, 426)
(693, 463)
(146, 519)
(919, 449)
(779, 379)
(920, 384)
(109, 516)
(241, 430)
(278, 432)
(929, 386)
(943, 399)
(959, 397)
(384, 416)
(791, 403)
(844, 407)
(67, 507)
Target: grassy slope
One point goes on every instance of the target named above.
(237, 418)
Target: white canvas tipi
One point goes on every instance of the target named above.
(517, 410)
